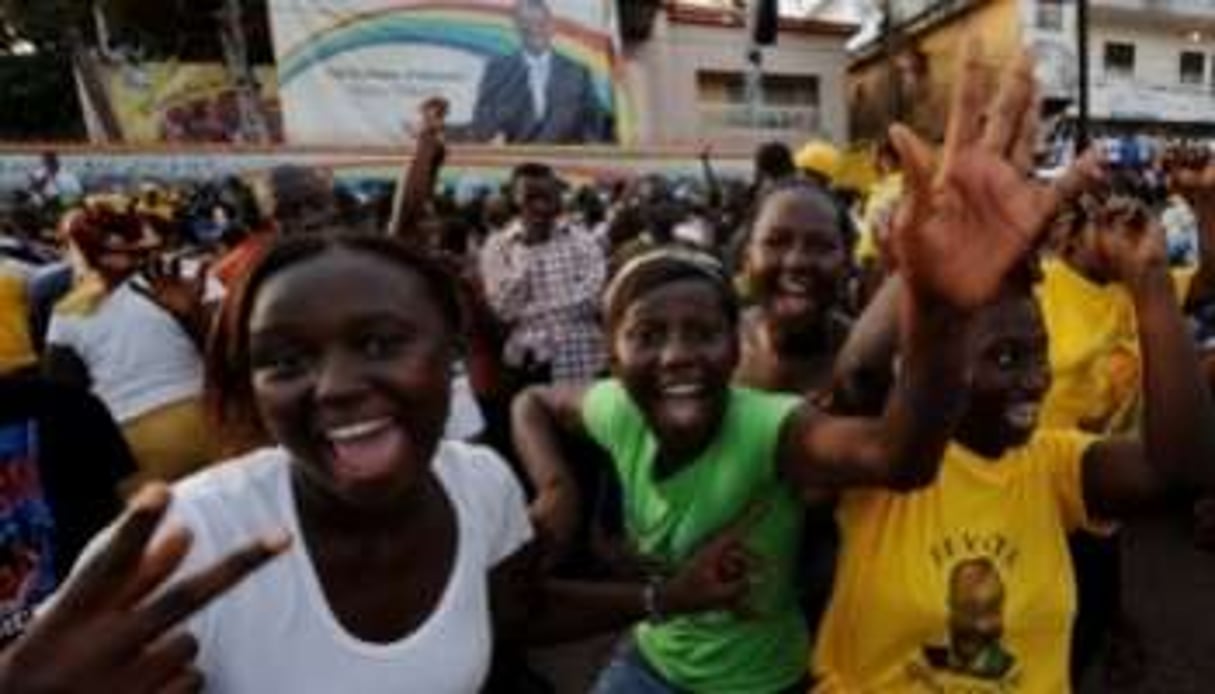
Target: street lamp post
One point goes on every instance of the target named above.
(1082, 118)
(890, 48)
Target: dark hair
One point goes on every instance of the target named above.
(229, 392)
(101, 226)
(738, 249)
(296, 192)
(531, 169)
(662, 266)
(774, 160)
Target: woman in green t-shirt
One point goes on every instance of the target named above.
(692, 451)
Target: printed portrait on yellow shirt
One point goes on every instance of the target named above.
(976, 623)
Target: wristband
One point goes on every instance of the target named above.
(651, 598)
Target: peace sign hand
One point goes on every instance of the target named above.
(966, 223)
(113, 629)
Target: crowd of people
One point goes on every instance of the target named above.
(774, 437)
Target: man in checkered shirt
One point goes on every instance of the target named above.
(544, 280)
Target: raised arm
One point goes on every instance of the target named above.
(1178, 444)
(418, 177)
(864, 367)
(961, 229)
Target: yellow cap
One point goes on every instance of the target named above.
(819, 157)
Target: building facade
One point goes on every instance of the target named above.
(1151, 62)
(689, 80)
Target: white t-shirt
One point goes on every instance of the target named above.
(464, 419)
(276, 633)
(139, 358)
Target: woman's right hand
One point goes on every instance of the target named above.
(112, 627)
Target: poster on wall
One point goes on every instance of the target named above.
(184, 102)
(513, 71)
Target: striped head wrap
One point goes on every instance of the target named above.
(662, 266)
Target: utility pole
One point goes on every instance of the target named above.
(890, 51)
(1082, 62)
(753, 87)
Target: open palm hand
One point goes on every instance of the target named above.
(967, 222)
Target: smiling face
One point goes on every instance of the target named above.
(976, 609)
(538, 199)
(535, 23)
(675, 348)
(350, 357)
(1010, 376)
(796, 258)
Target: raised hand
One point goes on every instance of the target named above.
(719, 575)
(1131, 241)
(432, 116)
(181, 296)
(112, 628)
(965, 223)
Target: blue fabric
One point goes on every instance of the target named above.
(628, 673)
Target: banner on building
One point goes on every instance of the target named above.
(356, 71)
(183, 102)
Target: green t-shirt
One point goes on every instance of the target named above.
(668, 520)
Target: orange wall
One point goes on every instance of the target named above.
(997, 26)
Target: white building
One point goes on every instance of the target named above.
(1153, 61)
(688, 80)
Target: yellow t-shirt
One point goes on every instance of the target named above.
(1094, 350)
(16, 347)
(965, 586)
(879, 208)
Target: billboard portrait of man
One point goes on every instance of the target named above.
(535, 94)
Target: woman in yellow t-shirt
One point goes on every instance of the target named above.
(985, 595)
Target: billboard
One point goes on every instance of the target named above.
(514, 71)
(184, 102)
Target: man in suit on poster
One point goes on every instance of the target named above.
(535, 94)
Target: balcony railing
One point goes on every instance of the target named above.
(799, 118)
(1161, 9)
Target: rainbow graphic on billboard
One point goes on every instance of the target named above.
(477, 29)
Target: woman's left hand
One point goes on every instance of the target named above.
(719, 575)
(1131, 240)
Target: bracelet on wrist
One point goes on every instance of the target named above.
(651, 597)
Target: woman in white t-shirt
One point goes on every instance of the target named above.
(125, 331)
(411, 552)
